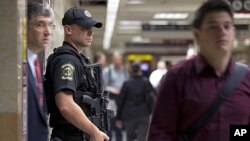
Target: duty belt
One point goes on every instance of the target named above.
(61, 135)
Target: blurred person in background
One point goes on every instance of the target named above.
(169, 64)
(135, 105)
(113, 76)
(156, 75)
(38, 37)
(191, 86)
(100, 58)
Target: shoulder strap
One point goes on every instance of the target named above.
(57, 52)
(233, 81)
(69, 50)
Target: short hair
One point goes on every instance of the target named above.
(98, 56)
(208, 7)
(37, 9)
(135, 67)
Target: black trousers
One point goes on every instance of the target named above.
(137, 128)
(58, 135)
(118, 131)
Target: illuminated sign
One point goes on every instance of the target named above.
(142, 57)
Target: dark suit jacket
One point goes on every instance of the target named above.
(37, 115)
(133, 97)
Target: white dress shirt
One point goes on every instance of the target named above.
(31, 60)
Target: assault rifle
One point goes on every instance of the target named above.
(96, 103)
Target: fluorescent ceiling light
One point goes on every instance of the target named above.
(164, 22)
(235, 43)
(241, 16)
(130, 27)
(158, 22)
(112, 9)
(130, 23)
(247, 42)
(140, 39)
(135, 2)
(170, 15)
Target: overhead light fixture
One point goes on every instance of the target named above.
(241, 16)
(235, 43)
(112, 9)
(140, 39)
(158, 22)
(171, 15)
(247, 42)
(133, 27)
(135, 2)
(130, 23)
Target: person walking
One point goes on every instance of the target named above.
(136, 102)
(190, 88)
(113, 77)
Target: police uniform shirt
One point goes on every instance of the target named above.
(66, 72)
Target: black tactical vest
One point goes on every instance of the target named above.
(88, 87)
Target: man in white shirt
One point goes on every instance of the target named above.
(156, 75)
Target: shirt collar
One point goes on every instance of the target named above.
(31, 56)
(67, 43)
(202, 65)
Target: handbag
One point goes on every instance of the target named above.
(234, 80)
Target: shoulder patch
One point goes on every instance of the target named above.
(67, 71)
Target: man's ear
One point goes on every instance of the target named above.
(67, 29)
(195, 33)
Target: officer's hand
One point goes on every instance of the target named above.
(106, 138)
(99, 136)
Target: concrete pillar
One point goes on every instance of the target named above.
(12, 43)
(59, 7)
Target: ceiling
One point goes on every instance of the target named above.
(136, 31)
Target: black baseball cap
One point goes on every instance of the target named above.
(80, 17)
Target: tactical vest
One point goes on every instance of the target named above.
(88, 87)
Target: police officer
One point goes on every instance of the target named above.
(65, 75)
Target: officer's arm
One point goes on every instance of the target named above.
(74, 114)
